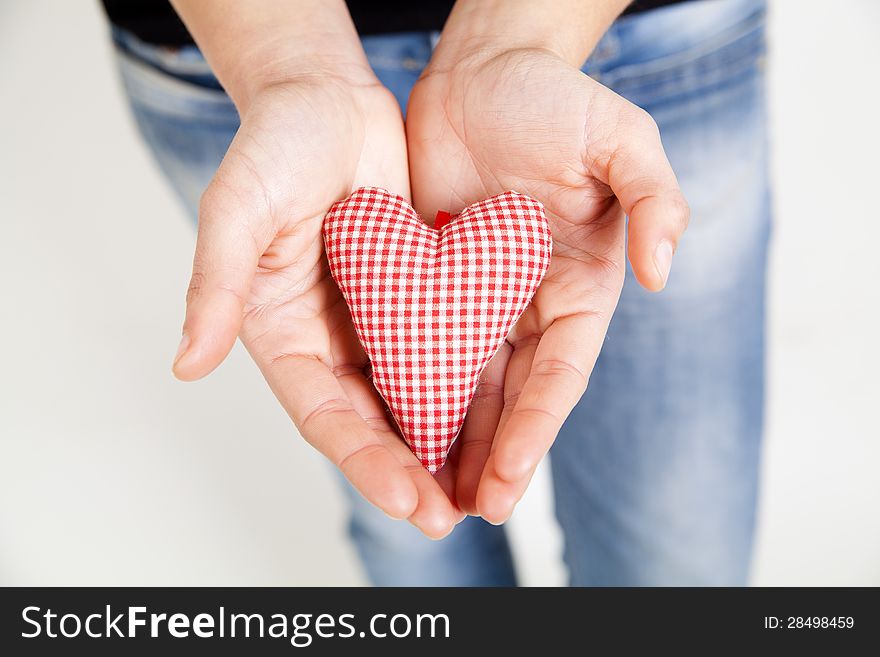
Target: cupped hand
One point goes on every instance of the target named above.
(260, 273)
(528, 121)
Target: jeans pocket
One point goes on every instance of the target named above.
(160, 92)
(707, 65)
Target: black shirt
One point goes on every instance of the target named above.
(155, 21)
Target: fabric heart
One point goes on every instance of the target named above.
(431, 306)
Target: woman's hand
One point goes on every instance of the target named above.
(489, 119)
(313, 129)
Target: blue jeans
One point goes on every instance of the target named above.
(655, 472)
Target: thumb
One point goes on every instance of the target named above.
(224, 265)
(643, 182)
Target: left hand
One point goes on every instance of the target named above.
(315, 124)
(526, 120)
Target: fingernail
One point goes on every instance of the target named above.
(507, 511)
(498, 523)
(663, 260)
(181, 349)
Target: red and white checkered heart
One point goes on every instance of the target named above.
(432, 306)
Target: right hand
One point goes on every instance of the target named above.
(510, 117)
(260, 273)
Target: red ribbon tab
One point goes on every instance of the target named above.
(441, 219)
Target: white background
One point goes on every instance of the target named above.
(111, 472)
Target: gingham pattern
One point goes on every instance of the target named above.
(432, 307)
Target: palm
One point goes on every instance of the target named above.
(470, 141)
(301, 148)
(526, 121)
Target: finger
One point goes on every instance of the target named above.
(560, 371)
(327, 419)
(557, 378)
(434, 514)
(226, 257)
(447, 476)
(495, 498)
(642, 179)
(498, 498)
(475, 442)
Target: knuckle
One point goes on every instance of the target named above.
(511, 397)
(196, 286)
(324, 409)
(644, 121)
(232, 289)
(209, 204)
(540, 414)
(487, 391)
(558, 368)
(682, 210)
(360, 453)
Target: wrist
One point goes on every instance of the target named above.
(478, 30)
(253, 45)
(263, 71)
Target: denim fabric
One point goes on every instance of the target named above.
(655, 472)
